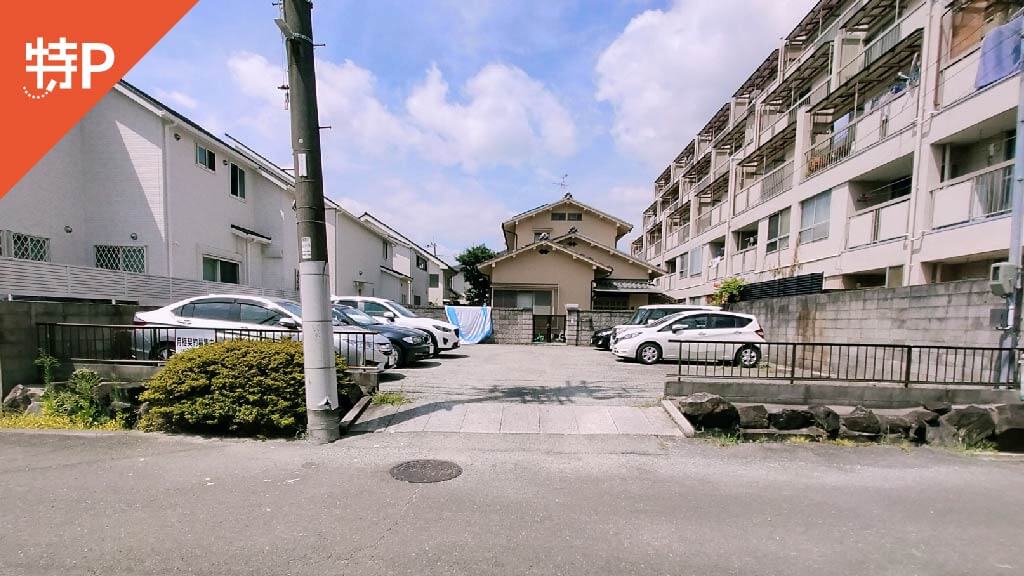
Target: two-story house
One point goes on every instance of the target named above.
(138, 203)
(564, 253)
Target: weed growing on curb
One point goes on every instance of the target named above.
(389, 398)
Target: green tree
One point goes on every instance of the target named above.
(479, 291)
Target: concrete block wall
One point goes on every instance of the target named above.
(584, 323)
(511, 326)
(435, 312)
(514, 326)
(18, 341)
(953, 314)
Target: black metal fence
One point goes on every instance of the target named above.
(881, 363)
(155, 344)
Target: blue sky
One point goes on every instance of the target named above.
(448, 116)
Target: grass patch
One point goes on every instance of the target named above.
(55, 422)
(798, 440)
(721, 439)
(845, 442)
(389, 399)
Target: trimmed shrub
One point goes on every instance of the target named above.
(239, 387)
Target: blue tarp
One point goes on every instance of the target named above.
(1000, 53)
(474, 322)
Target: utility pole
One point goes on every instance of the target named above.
(1016, 226)
(314, 289)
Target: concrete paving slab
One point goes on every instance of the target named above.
(446, 418)
(520, 419)
(594, 420)
(558, 419)
(412, 418)
(629, 420)
(482, 418)
(661, 423)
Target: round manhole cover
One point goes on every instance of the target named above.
(423, 471)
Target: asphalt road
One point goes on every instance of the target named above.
(543, 373)
(134, 504)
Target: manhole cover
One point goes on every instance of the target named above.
(423, 471)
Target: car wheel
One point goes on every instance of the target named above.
(434, 350)
(648, 353)
(747, 357)
(163, 351)
(399, 357)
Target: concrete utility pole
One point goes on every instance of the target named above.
(314, 289)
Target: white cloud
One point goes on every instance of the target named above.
(507, 116)
(671, 69)
(437, 210)
(178, 98)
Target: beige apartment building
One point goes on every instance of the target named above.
(873, 147)
(563, 254)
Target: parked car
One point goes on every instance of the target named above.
(740, 336)
(410, 344)
(205, 319)
(443, 335)
(651, 313)
(602, 338)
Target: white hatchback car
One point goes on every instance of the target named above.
(727, 336)
(205, 319)
(652, 313)
(443, 335)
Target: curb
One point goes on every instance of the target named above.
(678, 418)
(354, 413)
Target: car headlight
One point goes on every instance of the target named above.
(629, 335)
(411, 339)
(442, 328)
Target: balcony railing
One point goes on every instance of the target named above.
(33, 278)
(683, 234)
(878, 223)
(884, 42)
(711, 218)
(670, 281)
(831, 151)
(764, 188)
(671, 240)
(744, 260)
(976, 196)
(638, 251)
(716, 269)
(654, 250)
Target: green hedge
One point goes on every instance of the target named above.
(241, 387)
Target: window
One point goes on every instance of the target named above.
(237, 182)
(558, 216)
(695, 322)
(127, 258)
(216, 310)
(25, 247)
(778, 232)
(217, 270)
(351, 303)
(421, 262)
(746, 239)
(416, 300)
(696, 261)
(256, 314)
(435, 281)
(724, 321)
(814, 213)
(384, 246)
(206, 158)
(684, 264)
(504, 299)
(375, 309)
(574, 216)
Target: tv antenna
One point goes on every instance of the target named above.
(562, 184)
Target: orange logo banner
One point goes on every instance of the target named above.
(59, 57)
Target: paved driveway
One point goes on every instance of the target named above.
(530, 373)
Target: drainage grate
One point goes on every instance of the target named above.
(425, 471)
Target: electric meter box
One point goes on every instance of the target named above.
(1003, 278)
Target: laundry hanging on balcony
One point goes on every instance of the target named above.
(474, 322)
(1000, 53)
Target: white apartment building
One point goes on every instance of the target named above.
(138, 203)
(873, 147)
(369, 258)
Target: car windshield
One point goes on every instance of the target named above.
(670, 318)
(402, 310)
(295, 309)
(640, 316)
(355, 315)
